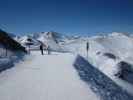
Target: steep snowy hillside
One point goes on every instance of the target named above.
(111, 54)
(118, 45)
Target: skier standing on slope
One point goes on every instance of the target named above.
(87, 48)
(48, 49)
(41, 48)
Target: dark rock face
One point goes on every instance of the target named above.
(98, 53)
(125, 71)
(110, 55)
(102, 85)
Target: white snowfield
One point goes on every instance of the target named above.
(47, 77)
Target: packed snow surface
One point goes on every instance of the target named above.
(47, 77)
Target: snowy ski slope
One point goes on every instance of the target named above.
(48, 77)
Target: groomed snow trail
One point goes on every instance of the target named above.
(47, 77)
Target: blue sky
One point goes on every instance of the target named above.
(66, 16)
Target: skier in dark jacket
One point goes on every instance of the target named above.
(87, 48)
(41, 48)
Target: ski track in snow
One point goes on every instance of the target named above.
(47, 77)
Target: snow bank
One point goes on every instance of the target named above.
(100, 83)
